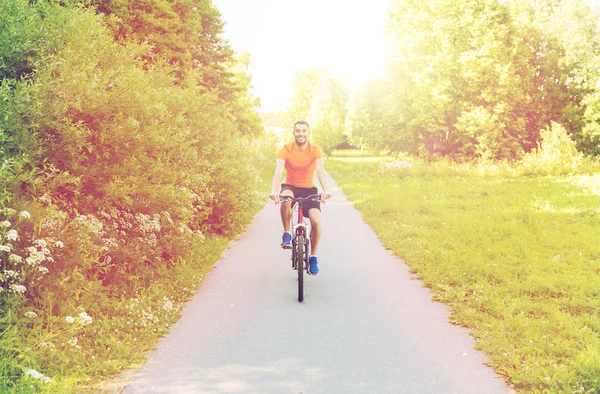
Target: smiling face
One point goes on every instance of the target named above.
(301, 134)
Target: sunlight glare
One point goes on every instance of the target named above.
(284, 37)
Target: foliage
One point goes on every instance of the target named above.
(515, 258)
(571, 27)
(187, 34)
(473, 78)
(377, 118)
(20, 36)
(481, 78)
(120, 177)
(171, 28)
(556, 155)
(321, 100)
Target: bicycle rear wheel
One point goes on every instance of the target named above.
(299, 255)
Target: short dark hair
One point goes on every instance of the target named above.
(301, 122)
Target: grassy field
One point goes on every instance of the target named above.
(516, 259)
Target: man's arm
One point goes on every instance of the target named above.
(274, 195)
(326, 194)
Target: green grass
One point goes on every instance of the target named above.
(516, 259)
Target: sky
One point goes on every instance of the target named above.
(286, 36)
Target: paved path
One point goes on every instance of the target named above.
(364, 327)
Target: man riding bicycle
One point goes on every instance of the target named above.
(301, 159)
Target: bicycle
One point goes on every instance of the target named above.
(300, 237)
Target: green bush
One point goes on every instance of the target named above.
(556, 155)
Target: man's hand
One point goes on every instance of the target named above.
(325, 195)
(275, 197)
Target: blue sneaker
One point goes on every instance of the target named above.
(286, 240)
(313, 268)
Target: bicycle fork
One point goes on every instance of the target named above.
(301, 229)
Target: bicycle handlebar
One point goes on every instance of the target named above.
(312, 197)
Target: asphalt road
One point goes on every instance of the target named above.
(364, 327)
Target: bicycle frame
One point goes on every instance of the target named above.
(301, 226)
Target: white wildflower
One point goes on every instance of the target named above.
(45, 199)
(11, 274)
(5, 248)
(9, 211)
(199, 234)
(398, 165)
(18, 289)
(70, 319)
(30, 314)
(110, 242)
(168, 304)
(36, 375)
(36, 256)
(41, 243)
(148, 224)
(5, 223)
(59, 244)
(43, 270)
(24, 215)
(12, 235)
(87, 319)
(91, 223)
(15, 259)
(73, 341)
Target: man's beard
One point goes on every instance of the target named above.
(299, 143)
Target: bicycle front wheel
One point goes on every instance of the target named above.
(299, 255)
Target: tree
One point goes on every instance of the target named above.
(304, 85)
(188, 34)
(377, 117)
(477, 78)
(576, 27)
(322, 101)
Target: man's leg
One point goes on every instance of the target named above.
(286, 210)
(314, 214)
(286, 218)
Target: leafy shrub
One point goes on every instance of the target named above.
(556, 155)
(133, 171)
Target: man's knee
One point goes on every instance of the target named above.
(286, 207)
(315, 217)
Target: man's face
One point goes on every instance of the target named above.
(301, 133)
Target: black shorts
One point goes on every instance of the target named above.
(303, 192)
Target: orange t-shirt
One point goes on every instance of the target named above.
(300, 165)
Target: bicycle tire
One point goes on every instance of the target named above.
(299, 252)
(294, 262)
